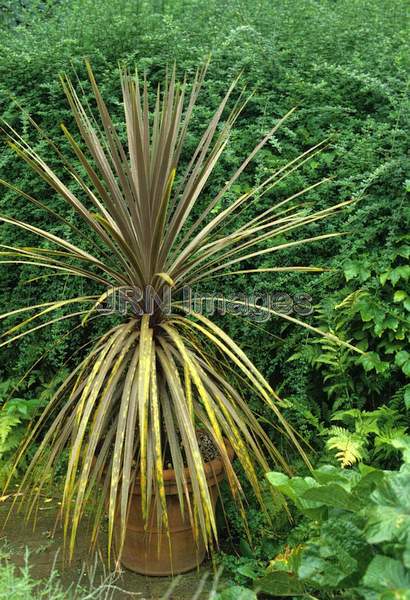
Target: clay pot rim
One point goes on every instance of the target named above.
(213, 468)
(214, 473)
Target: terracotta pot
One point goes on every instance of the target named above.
(149, 552)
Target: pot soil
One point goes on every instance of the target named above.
(149, 552)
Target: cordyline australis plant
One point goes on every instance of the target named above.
(149, 382)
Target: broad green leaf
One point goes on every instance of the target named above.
(399, 296)
(407, 397)
(387, 574)
(332, 495)
(280, 583)
(295, 488)
(359, 269)
(236, 592)
(372, 360)
(389, 512)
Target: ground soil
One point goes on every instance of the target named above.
(45, 548)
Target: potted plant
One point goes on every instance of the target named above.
(133, 411)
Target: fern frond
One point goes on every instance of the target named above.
(350, 299)
(7, 423)
(401, 398)
(350, 446)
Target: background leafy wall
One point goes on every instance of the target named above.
(345, 65)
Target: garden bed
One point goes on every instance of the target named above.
(41, 548)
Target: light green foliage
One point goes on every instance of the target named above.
(20, 584)
(359, 518)
(375, 435)
(236, 592)
(352, 537)
(349, 446)
(16, 413)
(375, 318)
(360, 530)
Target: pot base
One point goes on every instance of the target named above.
(152, 553)
(149, 551)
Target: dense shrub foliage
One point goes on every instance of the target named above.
(345, 65)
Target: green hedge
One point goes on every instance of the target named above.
(343, 63)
